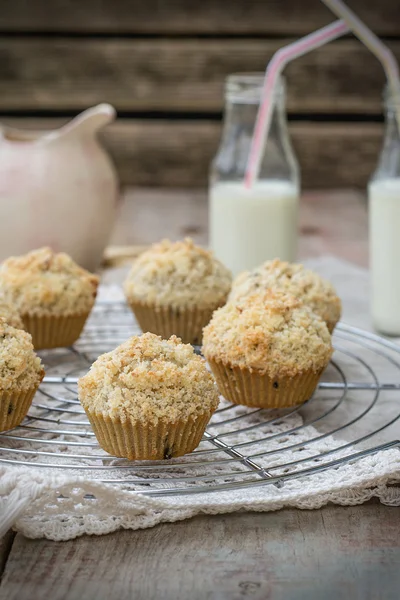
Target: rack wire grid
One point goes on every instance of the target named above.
(354, 413)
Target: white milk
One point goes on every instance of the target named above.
(248, 227)
(384, 231)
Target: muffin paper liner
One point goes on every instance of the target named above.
(331, 326)
(54, 331)
(241, 386)
(14, 407)
(186, 323)
(137, 441)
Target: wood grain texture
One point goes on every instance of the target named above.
(335, 553)
(330, 223)
(187, 17)
(334, 223)
(162, 153)
(178, 154)
(179, 75)
(148, 215)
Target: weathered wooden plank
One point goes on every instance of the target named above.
(147, 215)
(331, 223)
(163, 153)
(334, 223)
(334, 155)
(155, 152)
(335, 553)
(178, 154)
(178, 75)
(186, 17)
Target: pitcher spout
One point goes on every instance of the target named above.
(88, 122)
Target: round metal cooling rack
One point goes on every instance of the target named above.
(354, 413)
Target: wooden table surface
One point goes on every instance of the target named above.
(330, 222)
(333, 553)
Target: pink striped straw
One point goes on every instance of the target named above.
(274, 68)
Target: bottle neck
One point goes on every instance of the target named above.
(242, 99)
(241, 106)
(244, 116)
(392, 112)
(389, 160)
(392, 121)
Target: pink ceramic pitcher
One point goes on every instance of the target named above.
(58, 189)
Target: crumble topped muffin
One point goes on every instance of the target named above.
(174, 288)
(272, 333)
(267, 350)
(20, 374)
(148, 378)
(178, 274)
(149, 398)
(20, 367)
(10, 314)
(53, 295)
(43, 282)
(294, 279)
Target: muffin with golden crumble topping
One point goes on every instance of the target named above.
(294, 279)
(149, 399)
(20, 374)
(173, 288)
(53, 295)
(267, 350)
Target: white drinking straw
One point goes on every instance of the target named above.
(274, 68)
(371, 41)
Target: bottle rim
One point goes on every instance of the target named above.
(246, 88)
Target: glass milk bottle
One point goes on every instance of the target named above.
(249, 226)
(384, 226)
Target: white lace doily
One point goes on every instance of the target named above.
(62, 503)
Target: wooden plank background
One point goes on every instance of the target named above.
(185, 17)
(177, 153)
(162, 64)
(179, 75)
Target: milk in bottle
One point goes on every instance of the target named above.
(384, 231)
(249, 226)
(384, 225)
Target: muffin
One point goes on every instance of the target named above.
(53, 295)
(174, 288)
(10, 313)
(149, 399)
(20, 374)
(267, 350)
(294, 279)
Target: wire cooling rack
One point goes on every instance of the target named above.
(354, 413)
